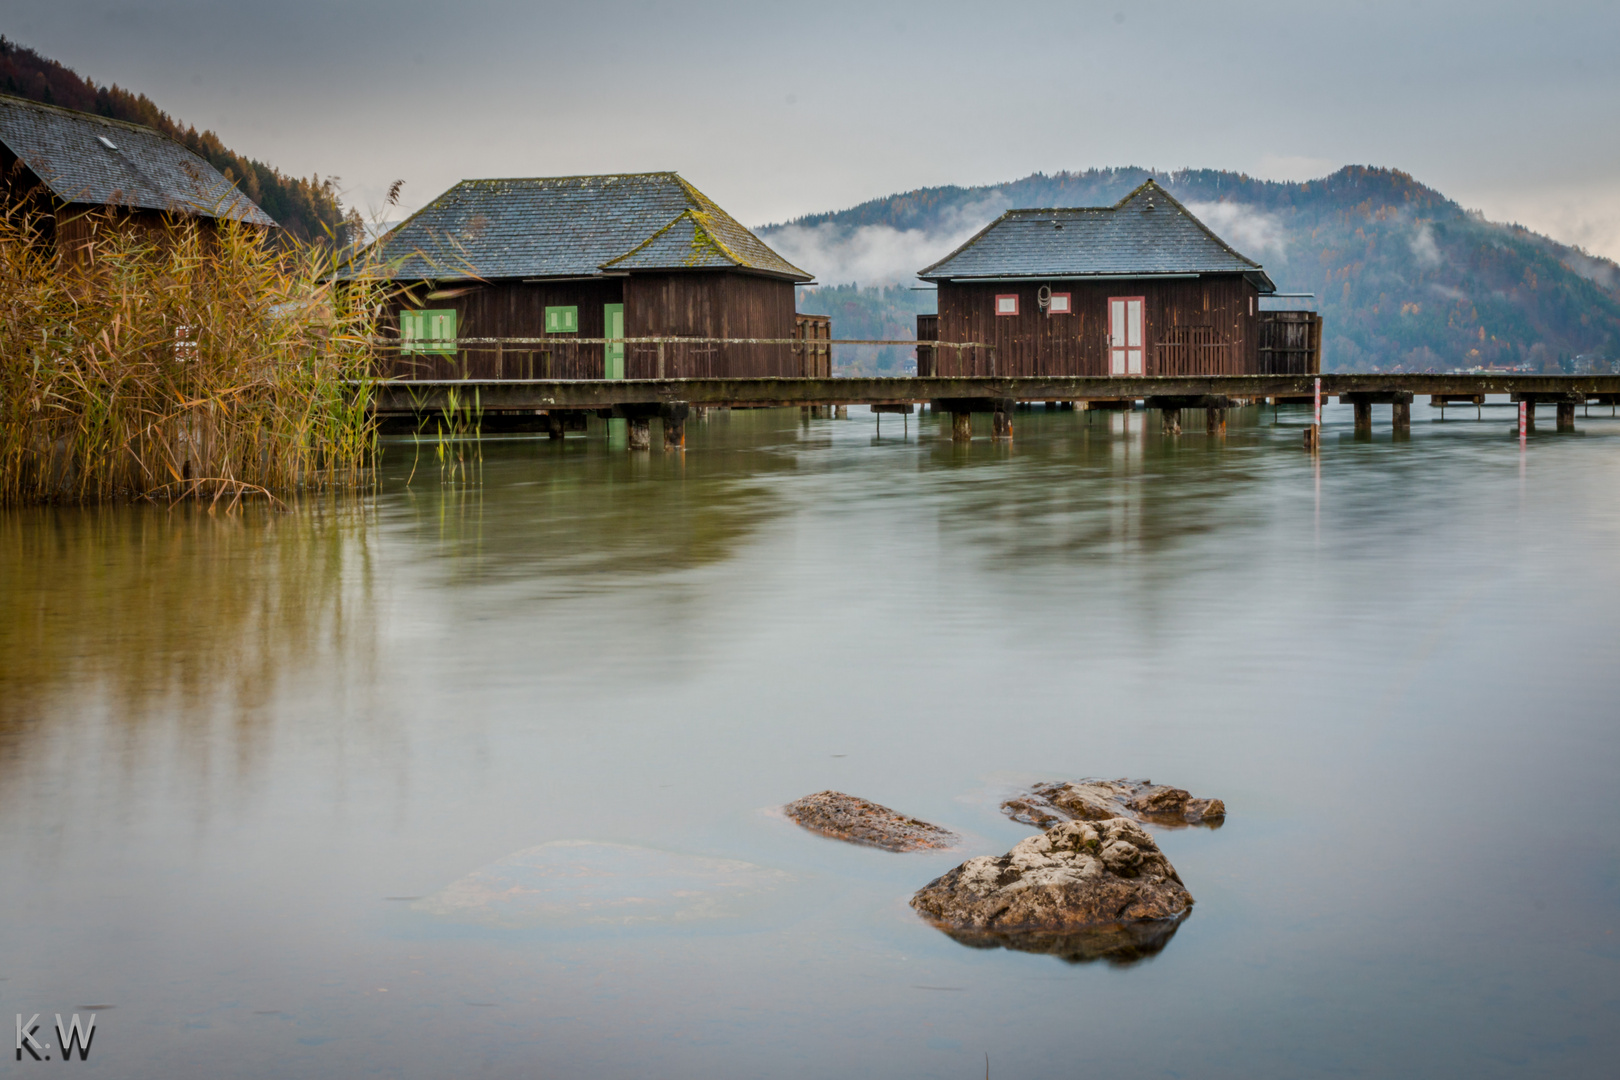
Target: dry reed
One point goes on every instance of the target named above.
(180, 362)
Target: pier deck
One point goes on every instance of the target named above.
(651, 397)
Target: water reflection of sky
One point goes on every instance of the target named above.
(230, 740)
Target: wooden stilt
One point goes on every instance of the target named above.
(554, 425)
(1566, 416)
(1001, 425)
(961, 427)
(1215, 422)
(1313, 438)
(640, 433)
(1363, 417)
(1171, 421)
(1401, 414)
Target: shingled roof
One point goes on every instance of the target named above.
(82, 158)
(574, 226)
(1147, 233)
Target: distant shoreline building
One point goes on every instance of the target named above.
(81, 173)
(1138, 288)
(564, 258)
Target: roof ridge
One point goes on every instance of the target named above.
(689, 212)
(1192, 217)
(80, 114)
(576, 176)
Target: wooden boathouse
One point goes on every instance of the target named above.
(578, 261)
(1140, 288)
(81, 174)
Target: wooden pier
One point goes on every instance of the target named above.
(560, 405)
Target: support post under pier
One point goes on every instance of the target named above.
(962, 427)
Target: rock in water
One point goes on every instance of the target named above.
(1097, 800)
(1083, 890)
(845, 817)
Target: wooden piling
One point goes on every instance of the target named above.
(1170, 419)
(1215, 422)
(1363, 417)
(1401, 414)
(1001, 425)
(961, 427)
(1566, 416)
(1313, 438)
(640, 433)
(554, 425)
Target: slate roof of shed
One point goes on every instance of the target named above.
(574, 226)
(1146, 233)
(140, 169)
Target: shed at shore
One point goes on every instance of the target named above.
(81, 174)
(1138, 288)
(580, 257)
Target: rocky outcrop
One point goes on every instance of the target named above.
(1096, 800)
(1083, 890)
(845, 817)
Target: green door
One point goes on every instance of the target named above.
(613, 327)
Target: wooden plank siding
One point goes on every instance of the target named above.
(712, 305)
(1192, 326)
(696, 305)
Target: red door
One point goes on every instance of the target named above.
(1125, 335)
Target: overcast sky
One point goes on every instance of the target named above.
(776, 110)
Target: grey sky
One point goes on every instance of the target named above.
(781, 109)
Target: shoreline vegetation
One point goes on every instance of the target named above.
(181, 362)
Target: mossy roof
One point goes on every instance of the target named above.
(574, 226)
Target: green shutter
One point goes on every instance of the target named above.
(562, 320)
(428, 332)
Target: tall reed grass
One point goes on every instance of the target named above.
(180, 362)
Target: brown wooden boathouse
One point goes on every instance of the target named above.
(83, 174)
(575, 260)
(1140, 288)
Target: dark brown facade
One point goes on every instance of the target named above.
(691, 304)
(1207, 325)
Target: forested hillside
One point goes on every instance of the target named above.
(1405, 278)
(306, 209)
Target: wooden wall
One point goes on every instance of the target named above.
(709, 304)
(694, 304)
(512, 309)
(1193, 326)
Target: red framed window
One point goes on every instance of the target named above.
(1006, 303)
(1060, 304)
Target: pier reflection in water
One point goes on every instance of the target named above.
(477, 776)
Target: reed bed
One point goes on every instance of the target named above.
(181, 362)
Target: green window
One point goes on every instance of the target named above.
(562, 320)
(428, 332)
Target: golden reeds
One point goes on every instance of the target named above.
(183, 361)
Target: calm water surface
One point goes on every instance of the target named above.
(282, 794)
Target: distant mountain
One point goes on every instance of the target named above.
(306, 209)
(1405, 279)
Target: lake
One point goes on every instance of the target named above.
(481, 774)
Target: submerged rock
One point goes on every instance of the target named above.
(1098, 800)
(845, 817)
(1083, 890)
(583, 883)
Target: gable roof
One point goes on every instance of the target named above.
(83, 158)
(574, 226)
(1147, 233)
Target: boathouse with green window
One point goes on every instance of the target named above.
(574, 258)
